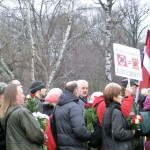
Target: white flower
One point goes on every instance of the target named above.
(28, 96)
(137, 121)
(138, 117)
(40, 115)
(45, 116)
(35, 114)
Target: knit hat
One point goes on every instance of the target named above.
(2, 87)
(132, 82)
(53, 95)
(37, 85)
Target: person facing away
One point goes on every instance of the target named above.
(137, 141)
(38, 89)
(23, 131)
(115, 133)
(52, 98)
(84, 97)
(72, 133)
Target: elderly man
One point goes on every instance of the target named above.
(72, 133)
(83, 92)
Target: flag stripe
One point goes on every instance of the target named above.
(146, 63)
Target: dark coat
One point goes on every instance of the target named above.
(47, 109)
(72, 133)
(83, 101)
(121, 136)
(23, 131)
(39, 104)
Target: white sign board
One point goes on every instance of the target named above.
(127, 62)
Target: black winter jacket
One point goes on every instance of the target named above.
(72, 133)
(120, 136)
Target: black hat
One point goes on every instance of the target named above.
(37, 85)
(132, 82)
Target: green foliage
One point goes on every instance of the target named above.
(91, 117)
(44, 147)
(31, 104)
(42, 122)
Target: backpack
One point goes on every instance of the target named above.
(96, 136)
(145, 124)
(3, 131)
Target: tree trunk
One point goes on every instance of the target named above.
(29, 30)
(5, 71)
(108, 46)
(64, 45)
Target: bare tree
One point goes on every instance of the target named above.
(108, 32)
(133, 23)
(64, 44)
(29, 30)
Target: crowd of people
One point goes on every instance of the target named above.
(114, 106)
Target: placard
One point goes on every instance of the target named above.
(127, 62)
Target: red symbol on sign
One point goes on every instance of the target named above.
(135, 63)
(121, 60)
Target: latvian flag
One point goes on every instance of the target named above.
(146, 64)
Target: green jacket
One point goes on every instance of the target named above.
(23, 131)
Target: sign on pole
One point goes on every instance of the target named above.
(127, 62)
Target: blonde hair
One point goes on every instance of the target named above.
(9, 99)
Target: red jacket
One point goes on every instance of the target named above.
(126, 106)
(50, 143)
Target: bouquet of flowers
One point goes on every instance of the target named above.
(41, 118)
(31, 103)
(90, 115)
(135, 122)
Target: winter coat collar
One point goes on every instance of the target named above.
(84, 99)
(112, 105)
(67, 97)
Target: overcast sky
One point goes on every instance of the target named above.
(91, 1)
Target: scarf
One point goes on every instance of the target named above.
(108, 127)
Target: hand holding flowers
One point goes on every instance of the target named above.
(135, 122)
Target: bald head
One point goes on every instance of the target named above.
(72, 87)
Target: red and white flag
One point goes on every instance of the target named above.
(146, 64)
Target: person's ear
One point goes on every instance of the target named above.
(115, 98)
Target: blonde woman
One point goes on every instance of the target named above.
(22, 131)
